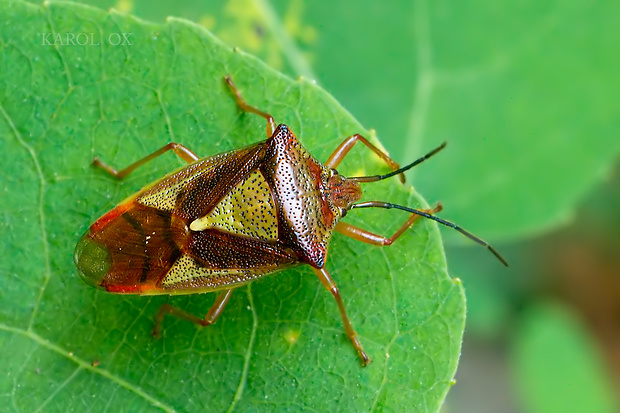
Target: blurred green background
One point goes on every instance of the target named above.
(526, 94)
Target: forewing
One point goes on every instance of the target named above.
(193, 191)
(133, 251)
(215, 259)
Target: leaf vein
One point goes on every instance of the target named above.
(248, 353)
(70, 83)
(59, 388)
(41, 212)
(83, 364)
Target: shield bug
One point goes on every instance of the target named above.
(228, 219)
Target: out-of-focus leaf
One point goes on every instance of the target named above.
(557, 365)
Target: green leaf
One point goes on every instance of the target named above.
(557, 365)
(280, 343)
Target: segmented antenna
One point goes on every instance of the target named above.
(386, 205)
(375, 178)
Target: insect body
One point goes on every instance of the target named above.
(229, 219)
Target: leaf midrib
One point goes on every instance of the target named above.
(84, 365)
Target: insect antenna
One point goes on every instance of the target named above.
(386, 205)
(375, 178)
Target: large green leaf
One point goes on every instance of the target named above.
(279, 344)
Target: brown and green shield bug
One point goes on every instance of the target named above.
(228, 219)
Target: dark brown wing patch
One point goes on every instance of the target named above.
(217, 249)
(142, 244)
(193, 191)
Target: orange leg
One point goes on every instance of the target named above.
(362, 235)
(329, 283)
(243, 105)
(343, 149)
(184, 153)
(216, 310)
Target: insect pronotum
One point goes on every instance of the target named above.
(228, 219)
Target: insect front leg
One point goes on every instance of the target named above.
(183, 152)
(243, 105)
(214, 312)
(329, 283)
(368, 237)
(343, 149)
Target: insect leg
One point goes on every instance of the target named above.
(362, 235)
(183, 152)
(343, 149)
(214, 312)
(243, 105)
(329, 284)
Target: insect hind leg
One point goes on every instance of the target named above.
(214, 312)
(243, 105)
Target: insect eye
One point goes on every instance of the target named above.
(333, 172)
(343, 212)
